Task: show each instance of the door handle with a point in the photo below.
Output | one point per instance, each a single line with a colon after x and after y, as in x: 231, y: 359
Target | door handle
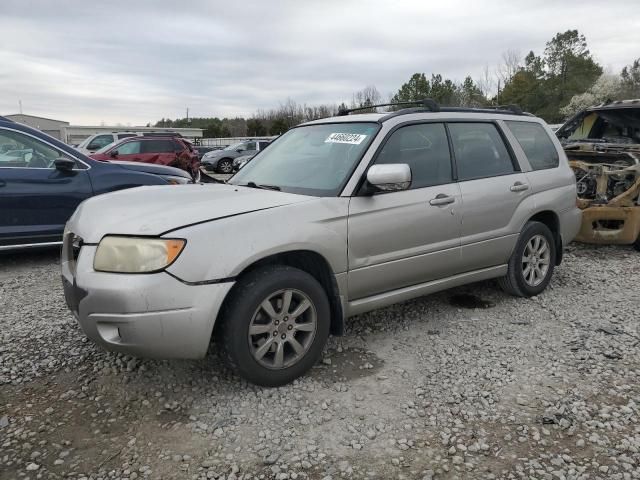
x: 441, y: 199
x: 519, y: 187
x: 2, y: 183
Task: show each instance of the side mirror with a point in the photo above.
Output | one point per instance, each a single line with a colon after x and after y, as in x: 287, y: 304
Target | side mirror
x: 240, y: 150
x: 390, y: 177
x: 114, y: 154
x: 64, y: 164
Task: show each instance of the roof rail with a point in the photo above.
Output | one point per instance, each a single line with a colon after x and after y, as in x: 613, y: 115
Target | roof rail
x: 504, y: 110
x: 511, y: 108
x: 427, y: 103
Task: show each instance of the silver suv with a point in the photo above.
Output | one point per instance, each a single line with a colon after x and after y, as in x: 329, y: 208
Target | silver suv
x: 340, y: 216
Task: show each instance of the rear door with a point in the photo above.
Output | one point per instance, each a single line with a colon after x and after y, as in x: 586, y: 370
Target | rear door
x: 492, y: 187
x: 542, y: 155
x: 36, y: 199
x: 159, y: 151
x: 403, y: 238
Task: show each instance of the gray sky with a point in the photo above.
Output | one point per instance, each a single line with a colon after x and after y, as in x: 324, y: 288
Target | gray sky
x: 137, y: 61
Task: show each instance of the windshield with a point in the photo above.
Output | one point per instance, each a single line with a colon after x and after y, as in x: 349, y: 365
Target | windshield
x: 312, y: 160
x: 235, y: 146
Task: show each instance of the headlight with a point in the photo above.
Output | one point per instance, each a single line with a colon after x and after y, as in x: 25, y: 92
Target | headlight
x: 175, y: 180
x: 136, y: 254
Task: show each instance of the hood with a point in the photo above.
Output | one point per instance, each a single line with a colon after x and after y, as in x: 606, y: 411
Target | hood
x: 219, y: 153
x: 156, y: 210
x: 151, y: 168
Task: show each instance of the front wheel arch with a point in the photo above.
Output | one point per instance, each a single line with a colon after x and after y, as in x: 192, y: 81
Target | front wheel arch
x: 315, y: 265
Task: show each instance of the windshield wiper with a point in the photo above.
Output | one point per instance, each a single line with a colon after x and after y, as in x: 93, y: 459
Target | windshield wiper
x: 264, y: 187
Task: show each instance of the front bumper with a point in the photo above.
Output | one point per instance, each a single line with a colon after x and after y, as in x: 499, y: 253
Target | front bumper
x: 147, y: 315
x: 610, y: 225
x: 209, y: 164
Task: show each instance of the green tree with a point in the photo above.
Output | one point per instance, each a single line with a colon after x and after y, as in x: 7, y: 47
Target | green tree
x: 546, y: 84
x: 443, y: 91
x: 570, y: 70
x: 279, y: 126
x: 470, y: 95
x: 255, y: 128
x: 417, y: 88
x: 630, y: 79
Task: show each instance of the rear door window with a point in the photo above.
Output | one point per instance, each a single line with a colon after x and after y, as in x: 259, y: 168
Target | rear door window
x: 535, y: 143
x: 480, y: 151
x: 158, y: 146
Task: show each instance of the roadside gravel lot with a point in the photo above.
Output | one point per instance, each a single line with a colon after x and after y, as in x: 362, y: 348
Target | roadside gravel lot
x: 545, y: 388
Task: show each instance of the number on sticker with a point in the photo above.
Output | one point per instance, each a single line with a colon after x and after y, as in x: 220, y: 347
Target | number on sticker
x: 350, y: 138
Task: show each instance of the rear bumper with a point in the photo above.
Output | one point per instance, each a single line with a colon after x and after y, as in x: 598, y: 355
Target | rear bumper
x: 610, y: 225
x: 152, y: 315
x: 570, y: 221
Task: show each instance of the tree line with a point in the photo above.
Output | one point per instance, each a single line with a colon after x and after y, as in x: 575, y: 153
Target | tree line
x: 563, y: 79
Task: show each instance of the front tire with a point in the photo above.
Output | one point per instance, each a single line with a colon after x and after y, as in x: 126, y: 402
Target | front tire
x: 274, y: 326
x: 532, y: 262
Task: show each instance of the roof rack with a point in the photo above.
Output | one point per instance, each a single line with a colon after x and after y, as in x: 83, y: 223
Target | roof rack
x: 427, y: 103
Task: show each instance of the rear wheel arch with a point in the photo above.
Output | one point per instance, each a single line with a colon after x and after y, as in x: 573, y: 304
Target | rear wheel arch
x: 551, y: 220
x: 315, y: 265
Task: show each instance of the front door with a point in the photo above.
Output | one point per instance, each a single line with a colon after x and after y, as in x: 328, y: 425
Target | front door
x: 36, y: 199
x: 404, y: 238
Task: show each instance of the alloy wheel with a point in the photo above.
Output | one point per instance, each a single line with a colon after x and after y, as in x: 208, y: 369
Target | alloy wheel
x: 282, y: 329
x: 535, y: 260
x: 226, y: 166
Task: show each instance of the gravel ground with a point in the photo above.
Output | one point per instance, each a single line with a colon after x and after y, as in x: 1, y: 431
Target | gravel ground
x: 468, y: 383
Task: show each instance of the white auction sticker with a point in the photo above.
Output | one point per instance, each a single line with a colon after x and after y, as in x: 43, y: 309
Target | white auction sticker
x: 350, y: 138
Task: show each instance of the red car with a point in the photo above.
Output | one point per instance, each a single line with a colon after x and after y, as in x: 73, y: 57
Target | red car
x: 170, y: 151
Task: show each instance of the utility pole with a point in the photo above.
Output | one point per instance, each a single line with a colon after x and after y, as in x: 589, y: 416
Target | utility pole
x: 187, y: 114
x: 20, y: 105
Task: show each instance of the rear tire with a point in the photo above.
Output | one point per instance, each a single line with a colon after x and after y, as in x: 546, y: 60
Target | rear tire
x: 274, y: 326
x: 636, y: 244
x: 225, y: 166
x: 532, y: 262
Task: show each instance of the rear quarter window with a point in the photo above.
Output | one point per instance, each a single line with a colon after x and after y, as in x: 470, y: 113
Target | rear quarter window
x: 535, y: 143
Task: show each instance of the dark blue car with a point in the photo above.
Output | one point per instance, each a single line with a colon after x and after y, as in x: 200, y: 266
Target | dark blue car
x: 42, y: 181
